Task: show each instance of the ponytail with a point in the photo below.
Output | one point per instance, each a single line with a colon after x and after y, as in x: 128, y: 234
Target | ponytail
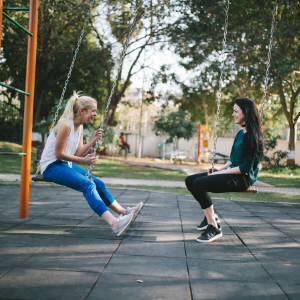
x: 75, y: 103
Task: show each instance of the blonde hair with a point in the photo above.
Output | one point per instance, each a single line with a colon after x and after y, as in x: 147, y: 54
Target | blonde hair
x: 75, y: 103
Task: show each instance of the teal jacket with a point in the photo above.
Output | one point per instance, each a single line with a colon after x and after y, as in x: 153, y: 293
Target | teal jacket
x: 249, y: 167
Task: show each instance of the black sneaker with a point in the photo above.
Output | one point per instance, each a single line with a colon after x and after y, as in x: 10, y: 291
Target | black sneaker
x: 210, y: 234
x: 203, y: 224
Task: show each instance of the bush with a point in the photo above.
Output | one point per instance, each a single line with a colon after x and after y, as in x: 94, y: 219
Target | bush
x: 282, y: 170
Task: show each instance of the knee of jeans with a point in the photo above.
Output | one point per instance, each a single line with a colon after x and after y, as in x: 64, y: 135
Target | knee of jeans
x: 89, y: 186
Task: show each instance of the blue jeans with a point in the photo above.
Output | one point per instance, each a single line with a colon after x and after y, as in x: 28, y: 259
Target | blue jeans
x: 94, y: 192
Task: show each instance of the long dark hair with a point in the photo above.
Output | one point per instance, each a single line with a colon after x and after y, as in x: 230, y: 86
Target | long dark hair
x: 253, y: 139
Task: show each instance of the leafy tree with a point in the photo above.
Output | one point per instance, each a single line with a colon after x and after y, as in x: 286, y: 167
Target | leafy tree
x: 59, y: 27
x: 176, y: 124
x: 198, y: 36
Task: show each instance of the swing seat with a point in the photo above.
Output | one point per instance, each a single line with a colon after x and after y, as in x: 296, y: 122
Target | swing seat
x: 253, y: 191
x: 39, y: 178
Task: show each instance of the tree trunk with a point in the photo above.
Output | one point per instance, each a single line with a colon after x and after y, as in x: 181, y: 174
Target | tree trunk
x: 292, y: 144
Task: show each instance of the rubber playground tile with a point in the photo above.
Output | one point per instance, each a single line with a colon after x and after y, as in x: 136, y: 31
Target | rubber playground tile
x: 168, y: 221
x: 93, y: 233
x: 24, y: 243
x: 160, y: 212
x: 69, y: 215
x: 284, y: 272
x: 22, y: 283
x: 6, y: 226
x: 151, y: 288
x: 229, y: 290
x: 257, y: 231
x: 268, y: 242
x: 147, y: 266
x: 25, y: 228
x: 222, y: 249
x: 70, y: 261
x: 11, y: 260
x: 276, y: 254
x: 53, y: 222
x: 157, y: 226
x: 239, y: 271
x: 154, y: 236
x: 246, y: 222
x: 93, y: 222
x: 290, y: 230
x: 291, y: 290
x: 153, y: 249
x: 74, y: 244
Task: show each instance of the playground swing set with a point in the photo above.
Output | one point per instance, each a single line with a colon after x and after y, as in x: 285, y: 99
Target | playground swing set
x: 29, y: 92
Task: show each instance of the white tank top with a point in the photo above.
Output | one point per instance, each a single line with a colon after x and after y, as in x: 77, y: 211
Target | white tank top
x: 48, y: 155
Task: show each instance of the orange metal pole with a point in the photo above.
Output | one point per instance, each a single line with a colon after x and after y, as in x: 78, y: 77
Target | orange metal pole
x: 199, y: 141
x: 28, y: 109
x: 1, y: 15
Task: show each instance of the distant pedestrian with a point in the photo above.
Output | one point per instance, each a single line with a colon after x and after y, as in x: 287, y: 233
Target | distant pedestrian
x: 124, y: 145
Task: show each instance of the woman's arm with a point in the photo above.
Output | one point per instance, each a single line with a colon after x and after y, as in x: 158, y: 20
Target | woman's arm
x: 83, y: 149
x: 235, y: 170
x: 220, y: 169
x: 63, y: 130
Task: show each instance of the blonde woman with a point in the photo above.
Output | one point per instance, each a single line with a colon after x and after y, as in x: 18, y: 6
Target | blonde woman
x: 65, y: 147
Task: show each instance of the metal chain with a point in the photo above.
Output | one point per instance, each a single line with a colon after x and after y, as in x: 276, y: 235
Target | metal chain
x: 220, y: 83
x: 70, y: 71
x: 268, y: 67
x: 91, y: 167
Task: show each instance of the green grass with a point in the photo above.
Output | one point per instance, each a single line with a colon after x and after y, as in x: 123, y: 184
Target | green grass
x: 115, y: 169
x: 284, y: 181
x: 103, y: 167
x: 11, y: 164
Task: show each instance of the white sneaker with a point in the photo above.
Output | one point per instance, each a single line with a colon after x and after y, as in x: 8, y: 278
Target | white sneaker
x: 123, y: 222
x: 136, y: 208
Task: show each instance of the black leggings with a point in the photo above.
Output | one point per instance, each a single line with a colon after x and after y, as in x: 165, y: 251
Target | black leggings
x: 200, y: 184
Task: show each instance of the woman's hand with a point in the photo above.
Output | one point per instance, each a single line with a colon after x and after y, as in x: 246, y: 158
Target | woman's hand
x: 209, y: 172
x: 90, y: 159
x: 97, y: 135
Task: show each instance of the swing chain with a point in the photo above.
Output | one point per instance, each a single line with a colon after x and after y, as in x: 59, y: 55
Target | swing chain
x: 69, y: 74
x: 268, y: 66
x: 91, y: 167
x: 221, y: 83
x: 72, y: 64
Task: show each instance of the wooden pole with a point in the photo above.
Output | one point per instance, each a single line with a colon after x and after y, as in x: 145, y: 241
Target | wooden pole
x: 28, y: 109
x: 1, y: 15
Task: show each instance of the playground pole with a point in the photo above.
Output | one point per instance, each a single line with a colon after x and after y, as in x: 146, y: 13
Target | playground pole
x: 1, y: 15
x: 28, y: 109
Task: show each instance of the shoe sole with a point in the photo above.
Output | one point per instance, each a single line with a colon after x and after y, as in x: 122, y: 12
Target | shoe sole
x: 211, y: 240
x: 136, y: 213
x: 124, y: 227
x: 204, y: 227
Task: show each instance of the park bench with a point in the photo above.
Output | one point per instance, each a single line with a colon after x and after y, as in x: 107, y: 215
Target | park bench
x: 220, y: 156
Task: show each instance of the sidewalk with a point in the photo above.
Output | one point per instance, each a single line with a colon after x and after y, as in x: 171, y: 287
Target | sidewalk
x: 260, y: 186
x: 65, y: 251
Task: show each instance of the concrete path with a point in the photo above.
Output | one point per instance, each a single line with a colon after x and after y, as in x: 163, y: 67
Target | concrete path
x: 65, y: 251
x: 260, y: 186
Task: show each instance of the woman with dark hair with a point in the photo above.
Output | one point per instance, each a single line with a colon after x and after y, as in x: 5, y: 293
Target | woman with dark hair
x: 236, y: 175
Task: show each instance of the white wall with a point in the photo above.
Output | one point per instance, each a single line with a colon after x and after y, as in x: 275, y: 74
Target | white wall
x: 224, y: 145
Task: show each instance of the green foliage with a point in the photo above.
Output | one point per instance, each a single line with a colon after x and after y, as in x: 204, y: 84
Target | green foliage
x: 270, y: 143
x: 289, y: 170
x: 59, y: 27
x: 177, y: 124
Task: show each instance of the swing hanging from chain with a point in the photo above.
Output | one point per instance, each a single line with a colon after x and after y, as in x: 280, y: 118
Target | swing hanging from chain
x: 40, y: 177
x: 250, y: 190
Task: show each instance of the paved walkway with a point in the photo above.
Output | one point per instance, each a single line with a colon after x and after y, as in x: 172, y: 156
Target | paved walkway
x: 65, y: 251
x: 260, y: 186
